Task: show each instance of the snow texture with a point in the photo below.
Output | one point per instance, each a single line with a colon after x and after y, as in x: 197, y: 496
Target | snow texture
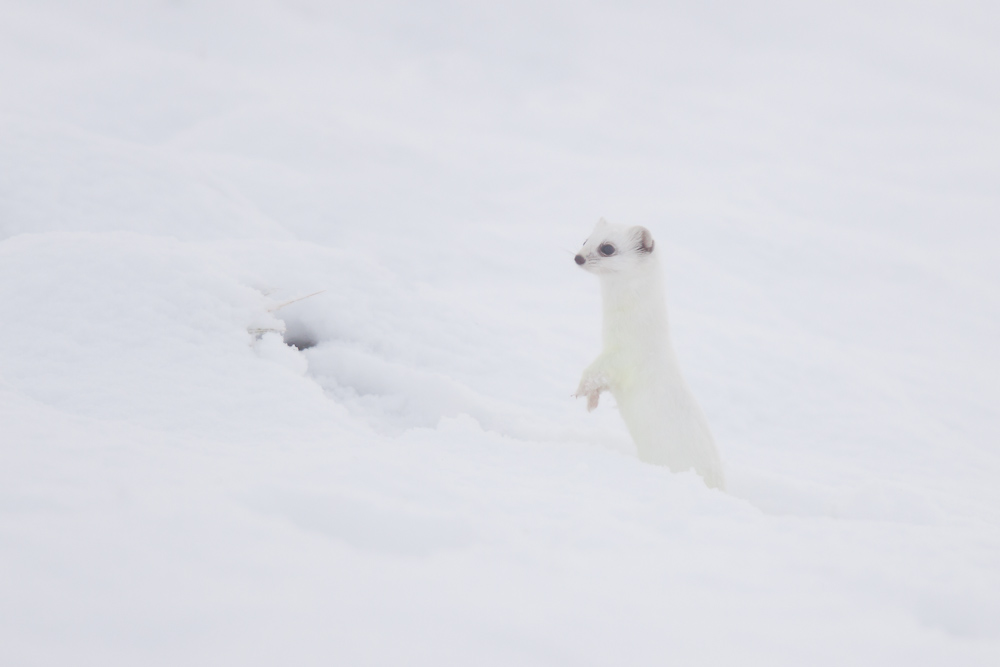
x: 392, y: 472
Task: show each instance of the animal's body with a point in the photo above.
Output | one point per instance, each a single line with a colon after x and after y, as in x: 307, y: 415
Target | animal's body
x: 638, y: 365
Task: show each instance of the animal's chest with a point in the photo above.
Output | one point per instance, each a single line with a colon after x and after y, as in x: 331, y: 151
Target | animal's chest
x: 630, y: 371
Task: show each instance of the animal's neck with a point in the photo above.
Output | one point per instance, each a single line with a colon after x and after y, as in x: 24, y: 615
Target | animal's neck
x: 635, y: 311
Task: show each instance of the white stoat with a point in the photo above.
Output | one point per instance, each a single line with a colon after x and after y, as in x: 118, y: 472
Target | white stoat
x: 638, y: 365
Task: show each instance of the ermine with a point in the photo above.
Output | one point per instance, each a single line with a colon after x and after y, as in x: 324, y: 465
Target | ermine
x: 638, y: 365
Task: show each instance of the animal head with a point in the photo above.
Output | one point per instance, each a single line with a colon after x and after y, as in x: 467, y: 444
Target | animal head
x: 614, y: 249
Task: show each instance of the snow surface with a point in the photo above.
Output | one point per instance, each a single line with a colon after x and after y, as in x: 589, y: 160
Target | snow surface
x: 411, y: 483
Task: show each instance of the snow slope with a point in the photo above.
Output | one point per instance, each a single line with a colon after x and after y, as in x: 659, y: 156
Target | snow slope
x: 392, y: 471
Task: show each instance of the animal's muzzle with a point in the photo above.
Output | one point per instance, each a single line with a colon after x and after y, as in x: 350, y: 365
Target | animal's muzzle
x: 580, y: 260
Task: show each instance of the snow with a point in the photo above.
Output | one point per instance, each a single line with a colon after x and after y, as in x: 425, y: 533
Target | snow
x: 392, y: 471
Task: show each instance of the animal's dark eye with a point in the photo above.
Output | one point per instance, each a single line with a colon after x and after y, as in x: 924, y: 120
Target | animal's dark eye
x: 607, y: 250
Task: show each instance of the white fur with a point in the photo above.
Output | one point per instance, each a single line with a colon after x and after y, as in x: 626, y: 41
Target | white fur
x: 638, y: 365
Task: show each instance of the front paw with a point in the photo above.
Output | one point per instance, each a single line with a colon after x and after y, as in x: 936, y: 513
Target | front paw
x: 591, y: 387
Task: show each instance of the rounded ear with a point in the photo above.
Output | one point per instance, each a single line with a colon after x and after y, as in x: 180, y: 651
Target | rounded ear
x: 644, y: 238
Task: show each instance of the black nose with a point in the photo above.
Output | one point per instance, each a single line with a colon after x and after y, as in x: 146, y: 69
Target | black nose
x: 580, y: 259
